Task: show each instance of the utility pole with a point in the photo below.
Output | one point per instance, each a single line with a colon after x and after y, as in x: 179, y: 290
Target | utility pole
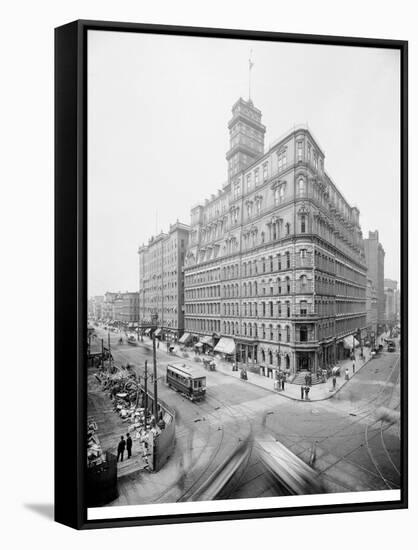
x: 154, y: 356
x: 108, y: 343
x: 146, y: 395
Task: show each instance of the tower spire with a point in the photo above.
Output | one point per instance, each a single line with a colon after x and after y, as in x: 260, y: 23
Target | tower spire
x: 250, y: 66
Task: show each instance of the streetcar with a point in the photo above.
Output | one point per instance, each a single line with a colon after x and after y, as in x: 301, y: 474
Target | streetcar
x: 186, y: 380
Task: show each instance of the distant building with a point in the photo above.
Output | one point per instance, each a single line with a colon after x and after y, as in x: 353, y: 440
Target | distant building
x: 95, y: 307
x: 126, y: 306
x: 109, y: 306
x: 391, y: 300
x: 275, y: 268
x: 371, y: 308
x: 161, y: 284
x: 375, y: 260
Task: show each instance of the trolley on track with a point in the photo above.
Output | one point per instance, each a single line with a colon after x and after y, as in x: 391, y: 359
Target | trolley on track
x: 186, y: 380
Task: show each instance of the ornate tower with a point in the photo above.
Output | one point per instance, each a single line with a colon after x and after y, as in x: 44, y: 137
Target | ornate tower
x: 246, y: 136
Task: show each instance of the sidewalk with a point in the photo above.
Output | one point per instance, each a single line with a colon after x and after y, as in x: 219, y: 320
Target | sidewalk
x: 318, y: 392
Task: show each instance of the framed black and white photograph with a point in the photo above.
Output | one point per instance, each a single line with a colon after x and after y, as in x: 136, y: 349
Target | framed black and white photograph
x: 231, y: 283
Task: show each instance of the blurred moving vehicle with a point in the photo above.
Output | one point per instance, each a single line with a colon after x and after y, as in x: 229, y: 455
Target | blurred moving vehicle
x: 289, y: 470
x: 391, y: 345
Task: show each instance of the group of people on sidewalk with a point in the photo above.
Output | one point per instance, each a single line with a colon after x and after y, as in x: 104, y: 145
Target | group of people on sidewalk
x: 124, y: 444
x: 304, y: 392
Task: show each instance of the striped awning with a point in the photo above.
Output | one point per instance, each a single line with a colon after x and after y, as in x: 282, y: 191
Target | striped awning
x: 157, y: 332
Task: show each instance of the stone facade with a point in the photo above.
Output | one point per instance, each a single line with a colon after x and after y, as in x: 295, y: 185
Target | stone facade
x: 391, y: 300
x: 371, y: 308
x: 125, y: 307
x: 161, y: 284
x: 375, y: 260
x: 276, y: 259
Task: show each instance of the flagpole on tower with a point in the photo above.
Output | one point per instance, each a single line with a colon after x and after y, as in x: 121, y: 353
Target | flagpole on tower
x: 250, y: 66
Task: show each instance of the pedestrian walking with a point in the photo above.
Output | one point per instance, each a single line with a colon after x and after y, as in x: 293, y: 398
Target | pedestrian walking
x: 347, y: 375
x: 129, y: 445
x: 354, y: 367
x: 121, y: 449
x: 307, y: 389
x: 283, y: 383
x: 334, y: 382
x: 302, y: 392
x: 306, y: 378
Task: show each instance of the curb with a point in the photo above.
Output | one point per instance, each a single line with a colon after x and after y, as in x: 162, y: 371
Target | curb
x: 282, y: 394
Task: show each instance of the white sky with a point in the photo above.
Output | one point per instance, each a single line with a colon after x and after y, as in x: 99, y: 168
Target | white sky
x: 157, y: 127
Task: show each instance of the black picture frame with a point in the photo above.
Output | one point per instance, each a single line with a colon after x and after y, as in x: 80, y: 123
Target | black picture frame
x: 71, y: 269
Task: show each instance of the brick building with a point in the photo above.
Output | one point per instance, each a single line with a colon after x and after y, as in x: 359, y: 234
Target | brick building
x: 375, y: 261
x: 275, y: 265
x: 161, y: 286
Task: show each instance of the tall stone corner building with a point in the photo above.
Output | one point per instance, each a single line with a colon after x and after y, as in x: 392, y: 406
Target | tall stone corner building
x: 275, y: 261
x: 161, y: 284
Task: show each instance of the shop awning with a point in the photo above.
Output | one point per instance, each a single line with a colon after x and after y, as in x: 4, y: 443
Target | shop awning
x: 207, y: 340
x: 147, y: 331
x: 198, y: 345
x: 225, y: 345
x: 348, y: 342
x: 185, y: 338
x: 157, y: 332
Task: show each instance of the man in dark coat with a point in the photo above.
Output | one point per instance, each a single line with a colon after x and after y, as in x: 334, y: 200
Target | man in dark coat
x: 302, y: 391
x: 121, y: 448
x: 129, y: 445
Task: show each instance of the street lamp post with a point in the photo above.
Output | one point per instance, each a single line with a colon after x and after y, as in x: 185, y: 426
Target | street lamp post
x: 154, y: 320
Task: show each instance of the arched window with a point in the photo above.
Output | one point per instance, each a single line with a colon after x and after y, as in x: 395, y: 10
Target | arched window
x: 270, y: 357
x: 279, y: 333
x: 279, y: 309
x: 303, y: 333
x: 303, y: 223
x: 249, y: 289
x: 245, y: 329
x: 287, y: 334
x: 301, y: 186
x: 263, y: 356
x: 255, y: 330
x: 263, y: 331
x: 287, y: 260
x: 271, y: 331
